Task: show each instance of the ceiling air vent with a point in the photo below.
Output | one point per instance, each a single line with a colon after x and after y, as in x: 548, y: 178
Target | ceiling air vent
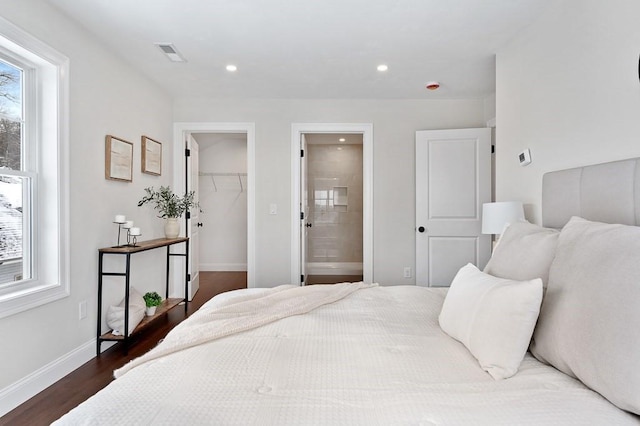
x: 171, y: 52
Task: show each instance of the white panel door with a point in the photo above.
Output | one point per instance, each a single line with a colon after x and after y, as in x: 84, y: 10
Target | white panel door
x: 194, y: 222
x: 453, y: 180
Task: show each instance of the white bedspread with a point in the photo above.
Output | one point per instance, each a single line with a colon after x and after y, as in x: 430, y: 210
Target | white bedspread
x: 245, y: 312
x: 376, y: 357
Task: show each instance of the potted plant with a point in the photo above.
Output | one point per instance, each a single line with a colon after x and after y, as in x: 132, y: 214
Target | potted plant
x: 169, y: 206
x: 152, y: 300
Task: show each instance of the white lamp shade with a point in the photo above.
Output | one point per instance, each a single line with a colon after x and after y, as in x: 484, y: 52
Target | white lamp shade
x: 495, y: 216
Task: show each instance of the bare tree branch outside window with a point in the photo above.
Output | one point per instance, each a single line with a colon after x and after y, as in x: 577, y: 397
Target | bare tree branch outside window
x: 10, y: 117
x: 11, y: 187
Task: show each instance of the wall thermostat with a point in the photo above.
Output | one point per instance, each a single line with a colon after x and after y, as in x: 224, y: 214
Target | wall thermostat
x: 525, y: 157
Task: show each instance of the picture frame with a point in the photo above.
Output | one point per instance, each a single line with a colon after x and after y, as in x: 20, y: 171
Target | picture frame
x: 151, y: 156
x: 118, y: 159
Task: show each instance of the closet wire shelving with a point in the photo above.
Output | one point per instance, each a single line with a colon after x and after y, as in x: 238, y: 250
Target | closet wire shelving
x: 214, y: 175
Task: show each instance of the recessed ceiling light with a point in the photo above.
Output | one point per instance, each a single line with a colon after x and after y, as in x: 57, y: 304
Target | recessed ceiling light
x: 342, y: 140
x: 232, y: 68
x: 382, y: 67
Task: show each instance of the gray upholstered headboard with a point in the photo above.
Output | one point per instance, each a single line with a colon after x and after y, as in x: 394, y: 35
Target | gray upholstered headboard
x: 608, y: 192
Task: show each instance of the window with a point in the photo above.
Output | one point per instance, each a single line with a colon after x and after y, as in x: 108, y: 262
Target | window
x: 15, y: 181
x: 33, y: 182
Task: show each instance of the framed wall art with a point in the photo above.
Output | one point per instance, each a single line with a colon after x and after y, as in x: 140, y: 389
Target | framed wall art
x: 118, y: 159
x: 151, y: 156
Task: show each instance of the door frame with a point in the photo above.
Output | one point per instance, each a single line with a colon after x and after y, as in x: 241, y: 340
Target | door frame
x: 366, y: 130
x: 179, y: 131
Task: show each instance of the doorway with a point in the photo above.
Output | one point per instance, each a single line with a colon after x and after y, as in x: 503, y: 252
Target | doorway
x: 222, y: 184
x: 182, y: 132
x: 333, y: 228
x: 304, y: 215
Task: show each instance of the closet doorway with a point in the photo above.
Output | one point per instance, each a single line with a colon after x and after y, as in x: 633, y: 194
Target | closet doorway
x: 182, y: 133
x: 222, y: 183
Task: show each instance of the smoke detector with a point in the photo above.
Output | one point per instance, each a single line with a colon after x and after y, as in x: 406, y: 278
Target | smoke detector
x: 171, y: 52
x: 432, y: 85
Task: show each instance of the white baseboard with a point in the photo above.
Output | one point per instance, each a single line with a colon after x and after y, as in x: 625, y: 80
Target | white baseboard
x: 29, y: 386
x: 217, y: 267
x: 334, y: 268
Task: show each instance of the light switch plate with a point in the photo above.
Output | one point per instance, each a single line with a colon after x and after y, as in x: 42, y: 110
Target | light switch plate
x: 406, y: 273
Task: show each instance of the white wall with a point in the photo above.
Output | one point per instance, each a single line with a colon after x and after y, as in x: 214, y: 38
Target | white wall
x: 567, y: 89
x: 394, y: 125
x: 106, y: 97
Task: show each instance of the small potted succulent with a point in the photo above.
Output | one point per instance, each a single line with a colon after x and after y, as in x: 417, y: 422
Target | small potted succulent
x: 152, y: 300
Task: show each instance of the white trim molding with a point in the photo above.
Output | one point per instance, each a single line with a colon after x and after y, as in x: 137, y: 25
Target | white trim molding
x: 334, y: 268
x: 222, y: 267
x: 366, y: 130
x: 48, y: 103
x: 29, y: 386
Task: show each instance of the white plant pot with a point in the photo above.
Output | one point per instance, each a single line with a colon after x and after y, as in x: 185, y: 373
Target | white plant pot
x: 172, y: 227
x: 151, y: 310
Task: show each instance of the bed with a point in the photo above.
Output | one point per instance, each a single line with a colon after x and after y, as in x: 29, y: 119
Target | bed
x: 547, y: 333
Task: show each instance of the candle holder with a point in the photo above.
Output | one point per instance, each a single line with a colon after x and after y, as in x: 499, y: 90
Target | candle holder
x: 119, y: 229
x: 132, y: 239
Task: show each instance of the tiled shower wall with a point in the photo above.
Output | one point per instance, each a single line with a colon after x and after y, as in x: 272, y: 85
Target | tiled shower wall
x: 334, y: 183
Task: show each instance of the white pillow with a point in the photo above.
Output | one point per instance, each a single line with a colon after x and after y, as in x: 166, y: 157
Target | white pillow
x: 589, y: 325
x: 493, y: 317
x: 524, y: 252
x: 115, y: 314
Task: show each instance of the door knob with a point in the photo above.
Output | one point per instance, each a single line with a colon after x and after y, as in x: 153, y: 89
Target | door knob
x: 421, y: 229
x: 308, y: 225
x: 199, y: 224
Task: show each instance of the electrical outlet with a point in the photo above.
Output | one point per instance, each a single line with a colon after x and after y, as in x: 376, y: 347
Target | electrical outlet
x: 407, y: 272
x: 82, y: 310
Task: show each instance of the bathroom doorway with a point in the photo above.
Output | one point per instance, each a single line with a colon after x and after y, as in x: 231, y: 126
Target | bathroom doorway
x: 334, y: 208
x: 300, y: 132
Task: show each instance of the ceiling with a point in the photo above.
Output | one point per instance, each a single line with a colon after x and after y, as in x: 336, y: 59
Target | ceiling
x: 310, y: 49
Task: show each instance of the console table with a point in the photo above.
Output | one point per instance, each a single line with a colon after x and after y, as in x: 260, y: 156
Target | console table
x: 167, y: 304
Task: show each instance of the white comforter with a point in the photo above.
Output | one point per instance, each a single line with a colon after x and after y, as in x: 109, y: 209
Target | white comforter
x: 376, y: 357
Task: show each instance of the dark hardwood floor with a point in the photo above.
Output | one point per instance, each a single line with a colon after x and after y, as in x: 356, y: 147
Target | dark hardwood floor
x: 332, y: 279
x: 71, y: 390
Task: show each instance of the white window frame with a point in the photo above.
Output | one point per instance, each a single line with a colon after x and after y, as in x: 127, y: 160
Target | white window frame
x: 47, y: 151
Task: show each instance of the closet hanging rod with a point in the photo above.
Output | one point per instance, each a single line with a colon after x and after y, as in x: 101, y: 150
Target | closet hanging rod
x: 220, y: 174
